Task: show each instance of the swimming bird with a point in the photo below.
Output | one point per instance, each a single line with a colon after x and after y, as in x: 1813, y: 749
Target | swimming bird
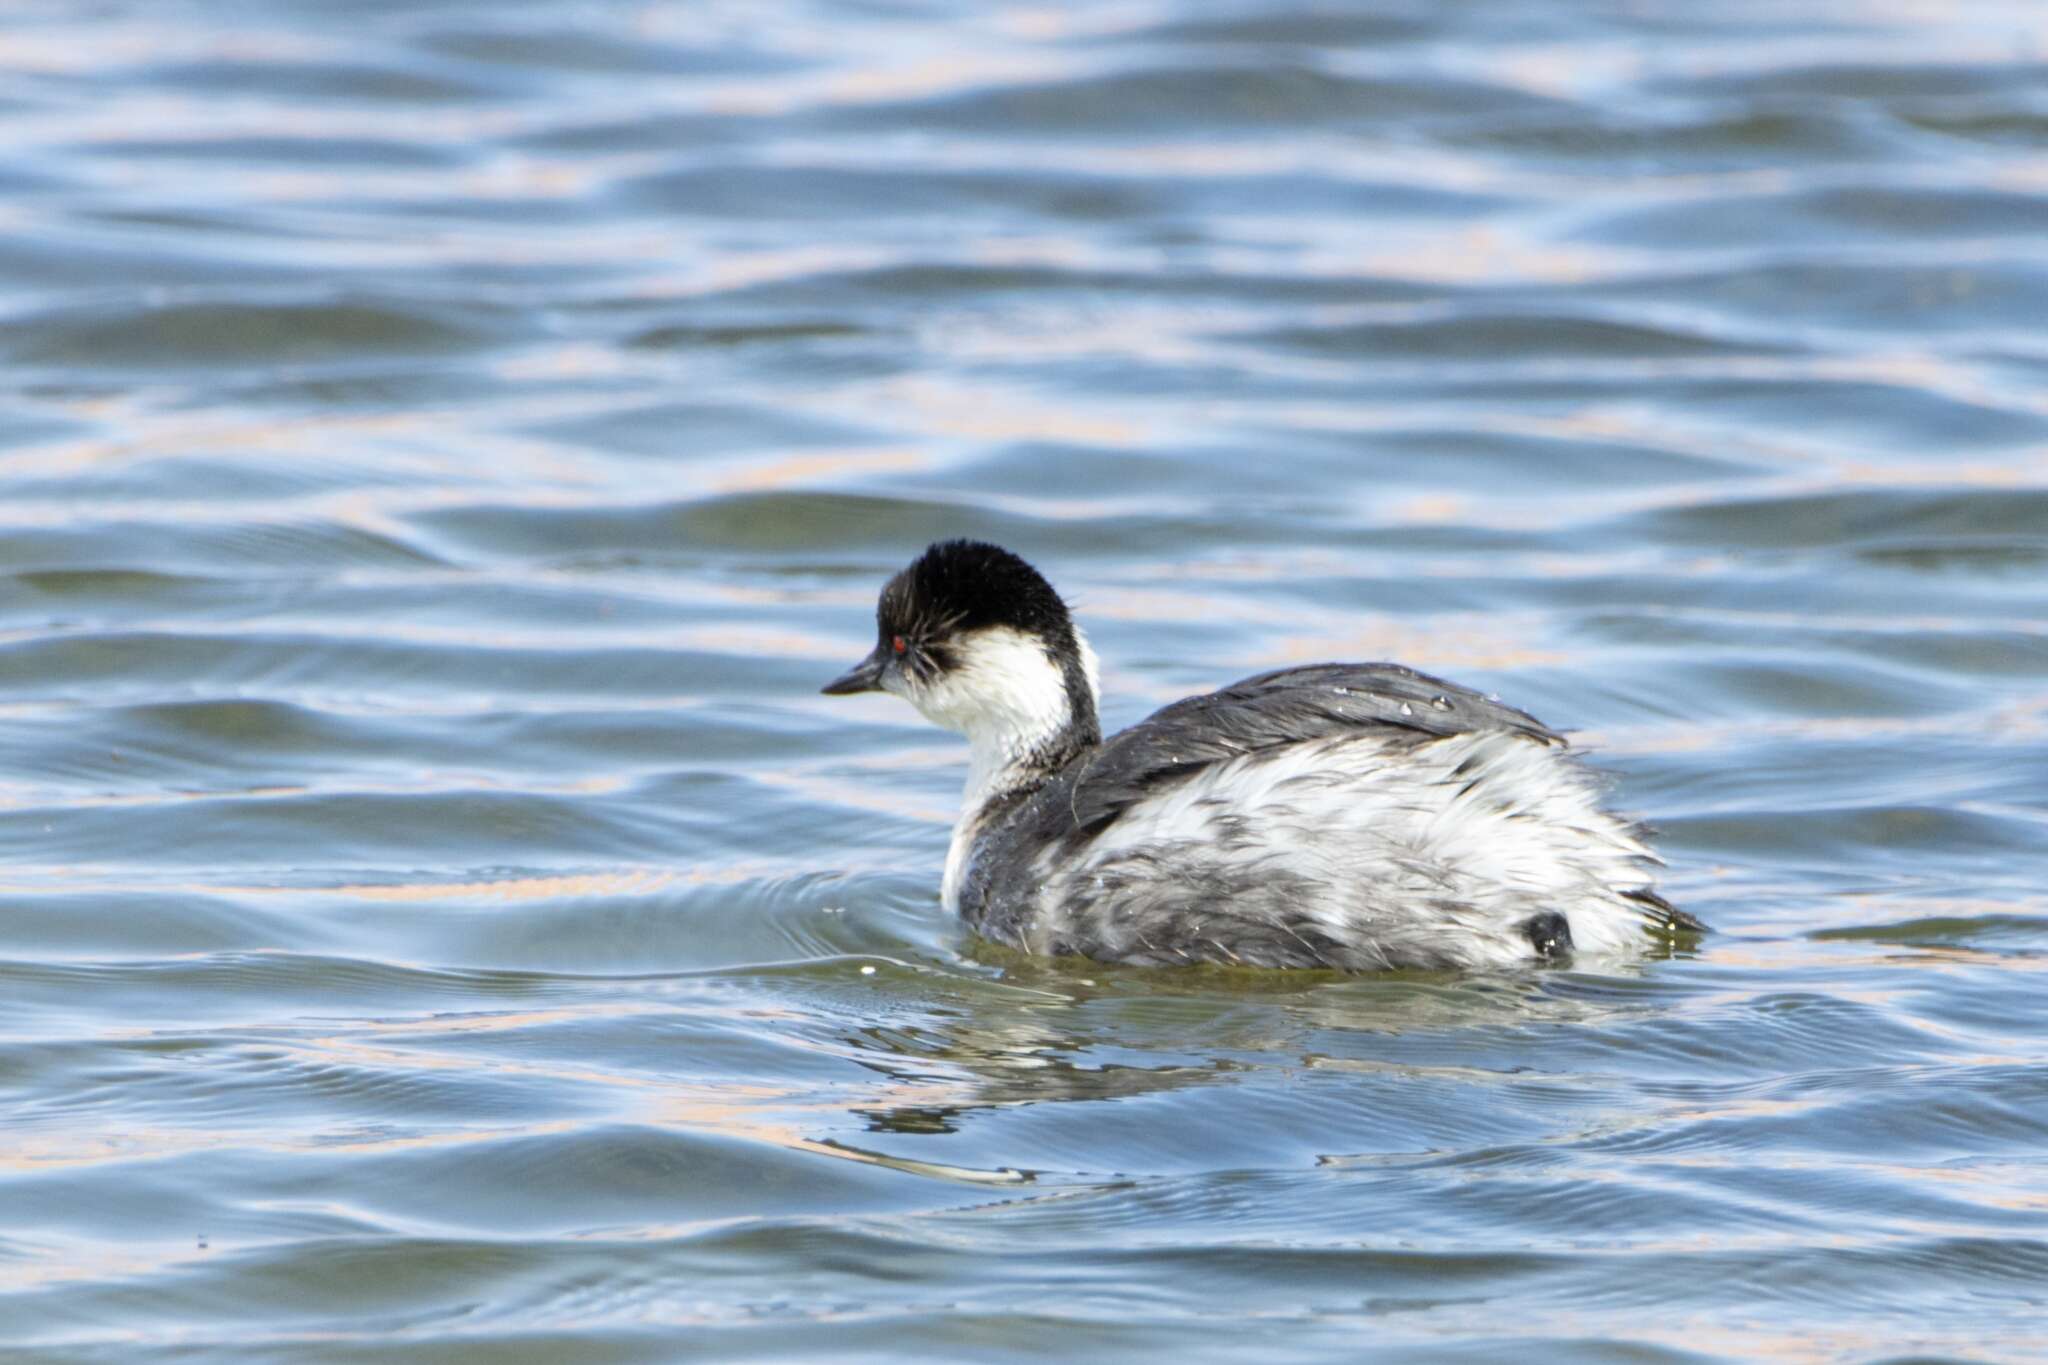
x: 1357, y: 816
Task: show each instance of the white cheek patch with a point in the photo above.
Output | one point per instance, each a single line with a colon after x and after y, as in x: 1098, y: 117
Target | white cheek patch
x: 1002, y: 685
x: 1005, y: 693
x: 1008, y: 696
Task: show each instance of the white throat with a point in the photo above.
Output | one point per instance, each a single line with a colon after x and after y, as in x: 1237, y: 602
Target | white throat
x: 1005, y: 693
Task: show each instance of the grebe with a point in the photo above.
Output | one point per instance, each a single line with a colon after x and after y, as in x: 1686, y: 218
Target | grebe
x: 1350, y: 816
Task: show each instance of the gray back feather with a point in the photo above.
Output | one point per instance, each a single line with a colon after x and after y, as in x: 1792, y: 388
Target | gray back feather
x: 1288, y: 706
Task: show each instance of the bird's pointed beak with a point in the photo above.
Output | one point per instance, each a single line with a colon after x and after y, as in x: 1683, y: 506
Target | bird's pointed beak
x: 865, y: 676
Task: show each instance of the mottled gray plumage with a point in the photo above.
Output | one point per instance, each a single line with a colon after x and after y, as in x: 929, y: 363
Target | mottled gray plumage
x: 1286, y: 706
x: 1356, y: 816
x: 1238, y: 891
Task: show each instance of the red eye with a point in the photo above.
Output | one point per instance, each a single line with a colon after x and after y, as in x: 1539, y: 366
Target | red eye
x: 898, y: 645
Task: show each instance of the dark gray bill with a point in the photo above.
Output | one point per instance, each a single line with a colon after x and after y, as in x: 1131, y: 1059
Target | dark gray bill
x: 865, y: 676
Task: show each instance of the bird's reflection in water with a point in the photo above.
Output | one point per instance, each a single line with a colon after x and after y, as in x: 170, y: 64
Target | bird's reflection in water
x: 1036, y: 1031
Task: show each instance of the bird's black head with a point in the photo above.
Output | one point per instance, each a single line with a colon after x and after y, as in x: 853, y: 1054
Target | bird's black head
x: 958, y: 587
x: 963, y: 604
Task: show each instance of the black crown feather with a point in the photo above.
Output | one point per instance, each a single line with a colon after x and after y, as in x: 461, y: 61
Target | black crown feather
x: 962, y: 585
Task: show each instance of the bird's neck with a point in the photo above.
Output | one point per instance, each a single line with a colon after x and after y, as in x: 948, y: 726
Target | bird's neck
x: 1026, y: 715
x: 1003, y: 770
x: 1003, y: 763
x: 1026, y: 709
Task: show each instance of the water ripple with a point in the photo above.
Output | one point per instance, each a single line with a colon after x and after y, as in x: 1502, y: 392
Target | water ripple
x: 448, y: 449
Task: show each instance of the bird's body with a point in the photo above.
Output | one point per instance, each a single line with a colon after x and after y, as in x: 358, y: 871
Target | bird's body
x: 1352, y: 816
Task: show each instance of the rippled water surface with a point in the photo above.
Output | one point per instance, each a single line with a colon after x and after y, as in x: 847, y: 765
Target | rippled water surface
x: 447, y: 445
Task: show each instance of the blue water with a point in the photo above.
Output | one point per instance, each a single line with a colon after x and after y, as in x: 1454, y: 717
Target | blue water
x: 447, y: 445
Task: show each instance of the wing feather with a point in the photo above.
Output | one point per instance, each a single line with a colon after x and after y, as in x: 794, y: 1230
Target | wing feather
x: 1288, y: 706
